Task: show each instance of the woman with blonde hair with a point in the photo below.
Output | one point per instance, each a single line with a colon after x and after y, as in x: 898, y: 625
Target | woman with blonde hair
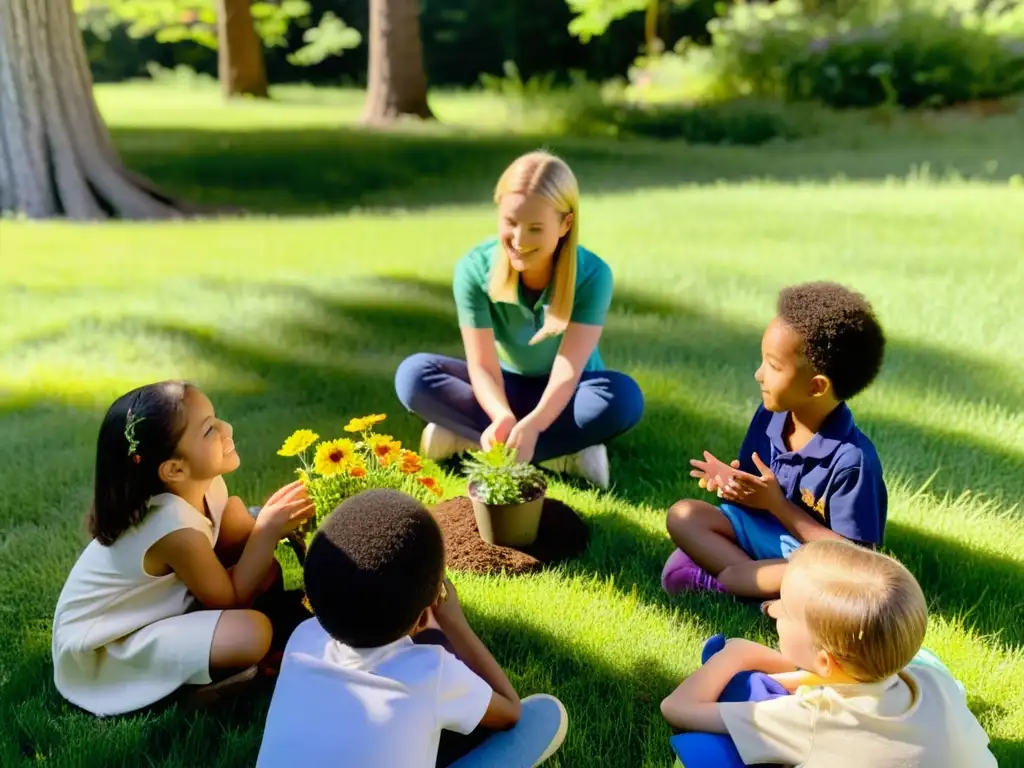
x: 531, y: 305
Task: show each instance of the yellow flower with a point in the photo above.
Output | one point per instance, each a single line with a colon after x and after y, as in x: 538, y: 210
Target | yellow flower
x: 365, y: 423
x: 334, y: 456
x: 385, y: 448
x: 411, y: 463
x: 299, y: 441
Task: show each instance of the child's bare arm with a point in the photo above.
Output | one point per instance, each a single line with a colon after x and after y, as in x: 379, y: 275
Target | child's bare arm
x: 504, y: 709
x: 693, y: 705
x: 188, y: 553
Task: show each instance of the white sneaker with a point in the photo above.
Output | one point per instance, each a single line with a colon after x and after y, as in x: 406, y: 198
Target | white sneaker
x: 438, y: 443
x: 591, y: 464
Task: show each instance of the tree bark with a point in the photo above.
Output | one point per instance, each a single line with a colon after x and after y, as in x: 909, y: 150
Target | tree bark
x: 397, y: 79
x: 56, y: 156
x: 241, y: 68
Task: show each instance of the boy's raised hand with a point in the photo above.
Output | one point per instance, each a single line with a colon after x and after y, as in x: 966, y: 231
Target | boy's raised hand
x: 712, y: 472
x: 447, y: 607
x: 759, y: 492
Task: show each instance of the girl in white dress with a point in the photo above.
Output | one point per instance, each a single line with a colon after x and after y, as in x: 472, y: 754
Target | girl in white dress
x: 161, y: 596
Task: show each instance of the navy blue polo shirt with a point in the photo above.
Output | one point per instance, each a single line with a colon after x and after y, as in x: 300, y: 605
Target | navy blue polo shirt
x: 836, y: 477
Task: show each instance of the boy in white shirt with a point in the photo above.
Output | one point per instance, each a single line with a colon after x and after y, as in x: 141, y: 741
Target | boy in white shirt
x: 850, y: 622
x: 357, y: 690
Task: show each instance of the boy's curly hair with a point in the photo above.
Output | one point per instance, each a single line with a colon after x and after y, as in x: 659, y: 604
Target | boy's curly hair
x: 842, y: 337
x: 372, y: 567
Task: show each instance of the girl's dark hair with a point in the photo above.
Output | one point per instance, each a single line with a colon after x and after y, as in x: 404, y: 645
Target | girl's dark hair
x: 129, y: 455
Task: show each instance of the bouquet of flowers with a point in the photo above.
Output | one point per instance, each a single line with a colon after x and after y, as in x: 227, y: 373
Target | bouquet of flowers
x: 343, y: 467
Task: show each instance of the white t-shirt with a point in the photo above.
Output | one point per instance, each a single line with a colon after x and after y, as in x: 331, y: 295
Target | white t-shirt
x: 918, y: 718
x: 367, y: 708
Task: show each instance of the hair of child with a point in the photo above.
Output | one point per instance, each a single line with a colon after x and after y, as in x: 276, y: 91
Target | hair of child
x: 375, y: 563
x: 140, y: 431
x: 842, y: 337
x: 866, y: 609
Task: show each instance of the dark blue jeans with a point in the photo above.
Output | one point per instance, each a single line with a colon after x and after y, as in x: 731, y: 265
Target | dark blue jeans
x: 437, y: 389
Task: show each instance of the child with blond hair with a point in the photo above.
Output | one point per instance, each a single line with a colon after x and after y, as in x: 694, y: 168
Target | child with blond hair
x: 851, y: 622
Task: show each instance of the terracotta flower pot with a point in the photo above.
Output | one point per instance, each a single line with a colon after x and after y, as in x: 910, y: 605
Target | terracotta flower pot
x: 508, y: 525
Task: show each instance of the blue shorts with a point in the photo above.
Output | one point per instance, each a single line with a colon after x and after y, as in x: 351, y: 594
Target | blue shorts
x: 759, y: 534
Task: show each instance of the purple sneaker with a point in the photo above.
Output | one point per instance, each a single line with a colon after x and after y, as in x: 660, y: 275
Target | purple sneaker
x: 681, y: 574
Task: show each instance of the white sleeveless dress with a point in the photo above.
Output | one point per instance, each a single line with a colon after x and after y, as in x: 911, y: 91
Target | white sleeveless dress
x: 123, y: 639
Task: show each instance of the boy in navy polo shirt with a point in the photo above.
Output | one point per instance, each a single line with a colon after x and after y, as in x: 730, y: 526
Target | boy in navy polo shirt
x: 805, y: 471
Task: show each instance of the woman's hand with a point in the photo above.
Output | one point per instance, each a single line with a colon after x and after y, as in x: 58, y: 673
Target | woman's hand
x: 287, y: 509
x: 498, y: 431
x: 523, y: 439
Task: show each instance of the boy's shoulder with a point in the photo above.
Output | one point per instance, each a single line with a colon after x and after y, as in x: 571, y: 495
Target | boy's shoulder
x: 855, y: 448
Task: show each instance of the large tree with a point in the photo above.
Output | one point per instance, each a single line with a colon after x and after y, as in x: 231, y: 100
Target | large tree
x: 56, y: 156
x: 240, y: 64
x: 225, y: 25
x: 397, y: 78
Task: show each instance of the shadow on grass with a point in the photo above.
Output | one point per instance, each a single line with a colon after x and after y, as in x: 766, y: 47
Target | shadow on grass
x: 1009, y: 753
x: 39, y: 726
x: 319, y: 171
x: 626, y: 730
x: 985, y: 590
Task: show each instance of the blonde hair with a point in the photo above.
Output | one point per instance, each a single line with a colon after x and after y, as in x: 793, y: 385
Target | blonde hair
x: 865, y: 608
x: 545, y: 175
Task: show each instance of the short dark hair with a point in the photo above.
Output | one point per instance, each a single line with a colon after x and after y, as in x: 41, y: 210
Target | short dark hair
x: 128, y: 475
x: 372, y: 567
x: 842, y: 338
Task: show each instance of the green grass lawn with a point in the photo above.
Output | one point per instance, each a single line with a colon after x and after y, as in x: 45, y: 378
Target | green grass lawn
x: 300, y: 320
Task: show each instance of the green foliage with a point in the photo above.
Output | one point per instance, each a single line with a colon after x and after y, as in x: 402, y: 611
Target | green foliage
x: 539, y: 104
x: 585, y: 110
x: 738, y: 122
x: 461, y: 40
x: 497, y: 477
x: 176, y: 21
x: 900, y: 52
x: 331, y: 37
x: 593, y: 17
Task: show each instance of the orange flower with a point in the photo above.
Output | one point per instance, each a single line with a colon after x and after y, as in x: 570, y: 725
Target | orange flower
x: 357, y: 472
x: 430, y: 484
x: 411, y: 463
x: 385, y: 448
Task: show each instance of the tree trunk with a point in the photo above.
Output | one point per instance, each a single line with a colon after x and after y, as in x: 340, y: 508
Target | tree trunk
x: 397, y: 79
x: 56, y: 156
x: 240, y: 64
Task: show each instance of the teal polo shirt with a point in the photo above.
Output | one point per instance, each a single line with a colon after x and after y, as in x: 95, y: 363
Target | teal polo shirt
x: 515, y: 324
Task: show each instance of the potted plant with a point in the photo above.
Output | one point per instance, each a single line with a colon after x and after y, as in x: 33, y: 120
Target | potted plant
x: 507, y: 496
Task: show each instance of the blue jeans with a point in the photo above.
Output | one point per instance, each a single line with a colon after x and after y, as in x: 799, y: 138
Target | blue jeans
x: 538, y: 734
x: 437, y: 389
